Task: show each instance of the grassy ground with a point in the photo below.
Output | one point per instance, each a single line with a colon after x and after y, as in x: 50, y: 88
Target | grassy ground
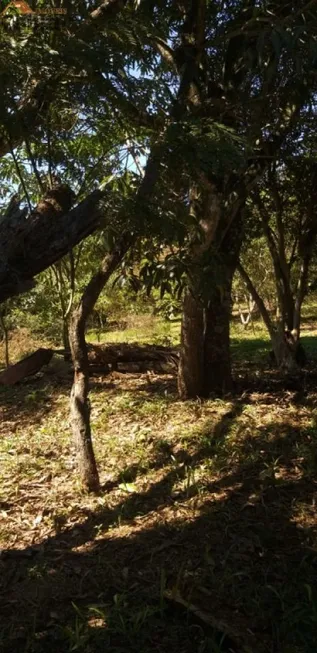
x: 142, y: 329
x: 204, y: 538
x: 251, y: 345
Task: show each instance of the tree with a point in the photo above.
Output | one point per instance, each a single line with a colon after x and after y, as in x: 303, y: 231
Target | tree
x: 80, y: 408
x: 259, y: 85
x: 285, y: 206
x: 101, y: 103
x: 54, y: 79
x: 210, y: 93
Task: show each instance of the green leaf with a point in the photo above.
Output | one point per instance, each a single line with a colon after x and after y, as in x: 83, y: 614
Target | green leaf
x: 128, y: 487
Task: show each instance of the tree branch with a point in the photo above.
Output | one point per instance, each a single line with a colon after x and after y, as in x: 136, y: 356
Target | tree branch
x: 30, y: 246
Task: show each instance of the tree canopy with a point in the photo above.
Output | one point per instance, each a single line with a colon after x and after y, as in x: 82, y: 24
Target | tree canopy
x: 215, y: 87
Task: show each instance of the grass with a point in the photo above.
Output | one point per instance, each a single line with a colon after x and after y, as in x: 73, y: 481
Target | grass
x: 251, y: 344
x: 142, y: 329
x: 204, y: 537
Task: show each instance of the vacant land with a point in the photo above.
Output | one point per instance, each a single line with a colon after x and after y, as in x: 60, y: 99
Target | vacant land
x: 204, y: 537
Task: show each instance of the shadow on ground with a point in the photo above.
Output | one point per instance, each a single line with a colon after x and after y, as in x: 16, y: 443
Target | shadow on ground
x: 231, y: 543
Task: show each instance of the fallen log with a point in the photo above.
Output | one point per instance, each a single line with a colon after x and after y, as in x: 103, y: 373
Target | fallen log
x: 132, y: 358
x: 122, y: 357
x: 26, y: 367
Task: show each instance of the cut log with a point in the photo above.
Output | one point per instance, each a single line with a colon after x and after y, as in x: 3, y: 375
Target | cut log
x: 26, y: 367
x: 133, y: 358
x: 121, y: 357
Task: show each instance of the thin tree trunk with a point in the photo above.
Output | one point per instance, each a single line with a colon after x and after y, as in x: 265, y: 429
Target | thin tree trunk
x: 67, y: 310
x: 281, y: 269
x: 62, y: 290
x: 300, y: 294
x: 6, y: 339
x: 79, y: 403
x: 80, y: 409
x: 285, y: 352
x: 284, y: 349
x: 65, y: 337
x: 256, y: 297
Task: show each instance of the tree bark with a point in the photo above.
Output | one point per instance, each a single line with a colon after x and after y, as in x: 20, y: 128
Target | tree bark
x: 217, y: 357
x: 5, y: 331
x: 205, y: 361
x: 80, y: 408
x: 33, y: 244
x: 65, y: 276
x: 285, y: 352
x: 79, y: 402
x: 285, y: 333
x: 190, y: 370
x: 26, y: 367
x: 302, y: 288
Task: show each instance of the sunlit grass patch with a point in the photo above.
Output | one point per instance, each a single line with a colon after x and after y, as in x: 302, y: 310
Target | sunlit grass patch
x: 142, y: 329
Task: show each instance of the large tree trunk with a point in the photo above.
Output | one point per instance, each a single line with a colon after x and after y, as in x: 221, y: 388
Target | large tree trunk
x: 205, y: 363
x: 217, y: 358
x: 207, y: 206
x: 191, y: 364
